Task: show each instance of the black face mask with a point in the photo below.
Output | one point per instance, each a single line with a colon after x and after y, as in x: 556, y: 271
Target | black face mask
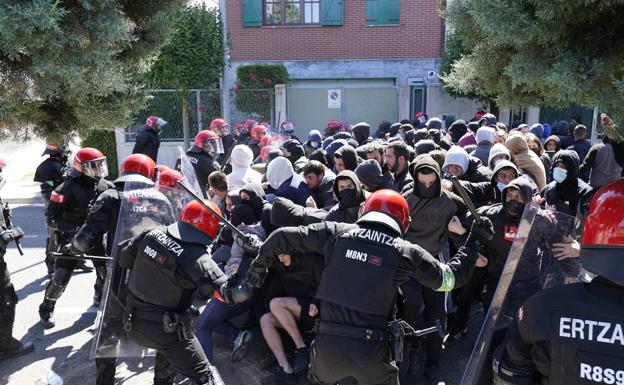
x: 426, y: 192
x: 348, y: 197
x: 514, y: 208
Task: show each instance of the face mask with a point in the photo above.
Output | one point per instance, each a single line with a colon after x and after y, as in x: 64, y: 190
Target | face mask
x: 314, y: 144
x: 559, y: 174
x: 501, y: 186
x: 348, y: 197
x: 536, y: 151
x: 426, y: 192
x: 515, y: 208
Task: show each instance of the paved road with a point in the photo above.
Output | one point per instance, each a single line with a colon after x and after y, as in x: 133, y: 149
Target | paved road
x: 65, y: 348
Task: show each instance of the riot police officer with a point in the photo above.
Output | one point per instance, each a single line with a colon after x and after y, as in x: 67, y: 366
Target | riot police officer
x: 220, y: 126
x: 365, y: 263
x: 9, y: 346
x: 573, y: 334
x: 168, y: 266
x: 51, y: 173
x: 148, y: 139
x: 206, y: 146
x: 67, y: 210
x: 136, y: 184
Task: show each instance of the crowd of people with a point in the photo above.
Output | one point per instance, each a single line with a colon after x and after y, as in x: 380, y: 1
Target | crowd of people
x: 337, y: 235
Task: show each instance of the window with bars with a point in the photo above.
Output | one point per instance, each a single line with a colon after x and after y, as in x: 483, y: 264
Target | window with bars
x: 292, y: 12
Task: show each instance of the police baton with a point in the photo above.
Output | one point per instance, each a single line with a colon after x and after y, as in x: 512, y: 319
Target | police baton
x: 80, y: 257
x: 462, y: 193
x: 204, y: 205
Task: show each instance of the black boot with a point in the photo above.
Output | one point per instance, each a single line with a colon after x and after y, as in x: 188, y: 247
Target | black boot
x: 9, y: 346
x: 46, y: 309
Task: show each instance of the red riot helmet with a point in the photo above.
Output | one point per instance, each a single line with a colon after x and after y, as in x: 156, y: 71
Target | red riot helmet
x: 209, y: 141
x: 168, y: 178
x: 247, y: 126
x: 139, y: 164
x: 388, y: 208
x: 258, y: 132
x: 162, y: 167
x: 91, y: 162
x: 201, y: 218
x: 602, y: 243
x: 220, y: 126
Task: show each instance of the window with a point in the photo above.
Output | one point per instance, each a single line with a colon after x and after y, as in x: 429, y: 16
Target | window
x: 292, y: 12
x: 382, y: 12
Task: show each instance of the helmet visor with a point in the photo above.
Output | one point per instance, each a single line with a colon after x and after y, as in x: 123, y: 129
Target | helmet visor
x: 214, y: 146
x: 95, y: 168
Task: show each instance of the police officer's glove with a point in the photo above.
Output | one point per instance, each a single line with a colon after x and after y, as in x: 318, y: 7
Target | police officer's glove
x: 255, y: 275
x: 13, y: 234
x: 480, y: 233
x: 235, y: 290
x: 70, y: 249
x: 250, y: 244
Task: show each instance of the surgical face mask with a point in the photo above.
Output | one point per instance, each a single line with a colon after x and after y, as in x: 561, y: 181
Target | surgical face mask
x: 559, y: 174
x: 426, y: 192
x: 515, y: 208
x: 500, y: 186
x: 348, y: 197
x: 314, y: 144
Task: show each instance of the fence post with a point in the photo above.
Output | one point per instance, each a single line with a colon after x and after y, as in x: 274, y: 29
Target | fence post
x: 199, y: 113
x: 280, y: 104
x: 532, y: 115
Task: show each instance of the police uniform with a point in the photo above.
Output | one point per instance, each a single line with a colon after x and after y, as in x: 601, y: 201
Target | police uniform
x: 571, y: 334
x: 67, y: 210
x: 9, y: 346
x: 204, y: 164
x: 147, y: 142
x: 50, y: 173
x: 103, y: 219
x: 168, y: 266
x: 352, y: 335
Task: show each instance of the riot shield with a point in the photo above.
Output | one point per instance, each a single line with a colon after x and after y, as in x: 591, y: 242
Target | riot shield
x: 531, y: 266
x: 187, y: 169
x: 177, y: 198
x: 142, y: 207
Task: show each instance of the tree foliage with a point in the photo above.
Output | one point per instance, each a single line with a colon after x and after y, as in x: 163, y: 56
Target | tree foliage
x: 193, y: 57
x: 253, y: 77
x: 77, y: 64
x: 529, y: 52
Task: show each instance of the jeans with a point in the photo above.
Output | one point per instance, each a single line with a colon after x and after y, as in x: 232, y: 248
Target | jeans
x: 214, y: 318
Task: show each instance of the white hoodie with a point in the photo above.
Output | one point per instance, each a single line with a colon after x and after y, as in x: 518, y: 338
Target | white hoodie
x: 242, y: 173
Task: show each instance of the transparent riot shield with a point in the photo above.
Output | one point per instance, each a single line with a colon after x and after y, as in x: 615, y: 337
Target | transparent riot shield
x: 531, y: 266
x: 187, y: 169
x: 142, y: 207
x: 177, y: 198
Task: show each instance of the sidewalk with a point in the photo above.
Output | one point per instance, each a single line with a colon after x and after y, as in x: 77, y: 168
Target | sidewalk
x: 21, y: 160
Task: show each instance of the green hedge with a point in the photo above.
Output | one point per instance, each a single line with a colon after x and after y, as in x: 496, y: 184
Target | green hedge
x: 104, y: 140
x: 252, y: 79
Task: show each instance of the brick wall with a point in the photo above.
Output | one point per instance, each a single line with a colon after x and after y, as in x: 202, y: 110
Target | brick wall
x: 419, y: 35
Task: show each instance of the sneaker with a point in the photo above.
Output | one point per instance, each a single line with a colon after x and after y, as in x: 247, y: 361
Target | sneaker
x: 240, y: 346
x: 455, y: 335
x: 279, y: 377
x: 301, y: 360
x: 13, y: 348
x: 433, y: 376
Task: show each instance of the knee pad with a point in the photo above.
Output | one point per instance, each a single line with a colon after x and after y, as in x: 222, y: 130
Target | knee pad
x: 54, y: 291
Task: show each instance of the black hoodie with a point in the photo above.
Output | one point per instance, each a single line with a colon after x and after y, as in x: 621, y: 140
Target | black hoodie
x: 349, y: 157
x: 286, y: 213
x: 259, y: 204
x: 346, y: 212
x: 430, y: 216
x: 566, y: 196
x: 361, y: 133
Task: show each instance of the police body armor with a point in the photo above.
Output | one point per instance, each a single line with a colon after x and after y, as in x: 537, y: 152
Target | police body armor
x: 50, y: 174
x: 159, y: 276
x: 370, y: 266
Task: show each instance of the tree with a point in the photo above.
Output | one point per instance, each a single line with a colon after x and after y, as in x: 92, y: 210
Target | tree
x: 76, y: 65
x: 193, y: 58
x: 528, y: 52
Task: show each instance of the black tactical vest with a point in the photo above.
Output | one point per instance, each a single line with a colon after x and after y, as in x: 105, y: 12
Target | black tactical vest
x: 157, y: 276
x: 359, y: 275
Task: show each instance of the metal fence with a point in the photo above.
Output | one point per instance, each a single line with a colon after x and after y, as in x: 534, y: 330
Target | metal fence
x: 204, y: 105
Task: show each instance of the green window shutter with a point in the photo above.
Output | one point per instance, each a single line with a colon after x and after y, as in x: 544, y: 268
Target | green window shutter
x: 333, y: 12
x: 392, y: 10
x: 382, y: 12
x: 374, y: 10
x: 252, y: 13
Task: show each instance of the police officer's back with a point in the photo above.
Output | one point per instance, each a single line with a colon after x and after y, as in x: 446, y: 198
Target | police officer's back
x: 51, y: 172
x: 574, y: 334
x: 168, y: 266
x: 148, y: 141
